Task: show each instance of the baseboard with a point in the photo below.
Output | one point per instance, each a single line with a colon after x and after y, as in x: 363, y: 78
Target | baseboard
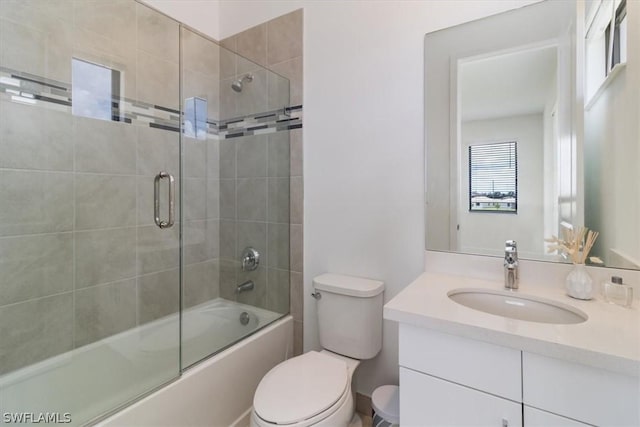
x: 363, y: 405
x: 243, y: 420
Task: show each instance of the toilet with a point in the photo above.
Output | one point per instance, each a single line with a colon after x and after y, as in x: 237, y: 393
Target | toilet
x: 314, y: 389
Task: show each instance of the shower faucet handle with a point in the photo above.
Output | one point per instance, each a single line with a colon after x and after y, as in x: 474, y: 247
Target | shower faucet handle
x: 250, y: 259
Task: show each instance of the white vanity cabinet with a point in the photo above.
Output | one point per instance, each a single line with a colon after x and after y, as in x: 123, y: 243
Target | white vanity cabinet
x: 448, y: 380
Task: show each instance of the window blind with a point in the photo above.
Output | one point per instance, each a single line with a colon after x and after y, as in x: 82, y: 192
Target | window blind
x: 493, y: 177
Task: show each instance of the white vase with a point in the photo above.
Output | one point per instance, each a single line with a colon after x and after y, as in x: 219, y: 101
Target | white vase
x: 579, y: 284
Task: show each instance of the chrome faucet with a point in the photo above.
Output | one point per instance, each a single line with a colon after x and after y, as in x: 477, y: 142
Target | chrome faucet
x: 511, y: 266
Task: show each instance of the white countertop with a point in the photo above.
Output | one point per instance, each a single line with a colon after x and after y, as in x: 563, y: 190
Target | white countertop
x: 609, y: 339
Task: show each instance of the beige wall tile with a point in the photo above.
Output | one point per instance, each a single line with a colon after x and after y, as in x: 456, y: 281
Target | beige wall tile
x: 213, y: 199
x: 278, y: 200
x: 22, y: 48
x: 284, y: 35
x: 157, y: 81
x: 228, y: 241
x: 278, y: 291
x: 158, y: 250
x: 201, y: 283
x: 228, y: 278
x: 278, y: 246
x: 279, y: 157
x: 297, y: 200
x: 278, y: 91
x: 35, y: 330
x: 296, y: 152
x: 105, y: 201
x: 158, y: 295
x: 194, y: 158
x: 296, y: 247
x: 35, y: 202
x: 104, y: 146
x: 157, y: 151
x: 157, y: 34
x: 228, y: 198
x: 297, y: 296
x: 252, y: 44
x: 35, y: 266
x: 252, y: 156
x: 102, y: 311
x: 252, y: 199
x: 292, y: 70
x: 104, y: 256
x: 200, y: 54
x: 195, y: 242
x: 35, y: 138
x: 194, y: 201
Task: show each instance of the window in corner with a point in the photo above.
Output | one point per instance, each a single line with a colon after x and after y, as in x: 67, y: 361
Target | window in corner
x: 96, y: 90
x: 493, y: 177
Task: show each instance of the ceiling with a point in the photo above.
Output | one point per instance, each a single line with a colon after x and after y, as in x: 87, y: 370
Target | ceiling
x: 508, y: 85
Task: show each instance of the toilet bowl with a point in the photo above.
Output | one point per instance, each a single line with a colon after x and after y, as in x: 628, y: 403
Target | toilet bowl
x: 315, y: 388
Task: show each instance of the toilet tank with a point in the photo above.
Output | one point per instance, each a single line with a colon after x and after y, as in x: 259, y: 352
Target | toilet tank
x: 349, y: 314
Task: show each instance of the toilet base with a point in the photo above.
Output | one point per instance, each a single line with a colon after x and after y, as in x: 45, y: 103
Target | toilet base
x: 341, y: 417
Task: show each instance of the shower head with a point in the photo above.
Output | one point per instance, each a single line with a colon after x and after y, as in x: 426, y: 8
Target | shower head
x: 237, y: 85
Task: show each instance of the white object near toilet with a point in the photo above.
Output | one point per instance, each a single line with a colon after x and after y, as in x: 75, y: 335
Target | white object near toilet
x: 314, y: 389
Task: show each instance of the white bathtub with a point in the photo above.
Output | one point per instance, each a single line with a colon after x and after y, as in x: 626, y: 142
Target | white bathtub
x: 104, y: 375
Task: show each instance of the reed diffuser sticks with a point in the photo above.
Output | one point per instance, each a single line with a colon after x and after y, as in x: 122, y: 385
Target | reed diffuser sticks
x: 576, y: 243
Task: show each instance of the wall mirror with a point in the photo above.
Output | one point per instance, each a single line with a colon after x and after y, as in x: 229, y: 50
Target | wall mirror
x: 532, y: 125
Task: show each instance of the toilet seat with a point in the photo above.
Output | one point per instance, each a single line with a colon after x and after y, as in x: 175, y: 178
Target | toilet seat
x: 301, y: 388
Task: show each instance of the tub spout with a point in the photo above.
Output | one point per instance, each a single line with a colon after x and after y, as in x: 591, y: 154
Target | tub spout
x: 245, y: 287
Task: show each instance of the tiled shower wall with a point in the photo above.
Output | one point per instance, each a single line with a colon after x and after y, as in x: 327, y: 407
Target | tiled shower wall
x: 80, y: 256
x: 278, y: 45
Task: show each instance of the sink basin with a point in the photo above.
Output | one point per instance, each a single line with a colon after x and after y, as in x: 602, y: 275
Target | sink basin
x: 518, y: 306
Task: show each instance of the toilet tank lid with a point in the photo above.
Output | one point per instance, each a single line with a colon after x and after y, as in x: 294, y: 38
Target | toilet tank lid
x: 348, y: 285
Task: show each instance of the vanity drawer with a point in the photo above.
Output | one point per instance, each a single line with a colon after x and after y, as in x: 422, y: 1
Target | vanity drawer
x: 587, y: 394
x: 536, y: 418
x: 428, y: 401
x: 479, y: 365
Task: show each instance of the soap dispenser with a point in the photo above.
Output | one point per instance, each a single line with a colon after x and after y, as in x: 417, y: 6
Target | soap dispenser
x: 616, y: 292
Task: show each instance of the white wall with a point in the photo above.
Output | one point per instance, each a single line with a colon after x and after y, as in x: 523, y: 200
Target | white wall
x: 203, y: 15
x: 486, y: 232
x: 612, y: 151
x: 363, y: 140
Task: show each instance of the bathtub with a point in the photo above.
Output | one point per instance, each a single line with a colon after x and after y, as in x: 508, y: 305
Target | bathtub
x: 100, y: 377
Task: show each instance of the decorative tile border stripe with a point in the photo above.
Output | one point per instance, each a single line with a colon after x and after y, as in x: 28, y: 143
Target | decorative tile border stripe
x: 261, y: 123
x: 34, y: 90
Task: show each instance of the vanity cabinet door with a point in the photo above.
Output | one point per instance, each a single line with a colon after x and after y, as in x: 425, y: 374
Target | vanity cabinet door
x: 537, y: 418
x: 428, y: 401
x: 580, y: 392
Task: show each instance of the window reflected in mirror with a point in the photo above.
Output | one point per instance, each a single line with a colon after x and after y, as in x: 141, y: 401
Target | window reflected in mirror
x: 493, y: 177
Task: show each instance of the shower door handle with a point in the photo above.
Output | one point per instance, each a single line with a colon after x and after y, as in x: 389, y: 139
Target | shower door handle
x: 156, y: 200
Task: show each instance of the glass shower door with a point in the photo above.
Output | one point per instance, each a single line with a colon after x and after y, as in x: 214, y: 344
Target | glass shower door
x: 235, y: 168
x: 89, y: 239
